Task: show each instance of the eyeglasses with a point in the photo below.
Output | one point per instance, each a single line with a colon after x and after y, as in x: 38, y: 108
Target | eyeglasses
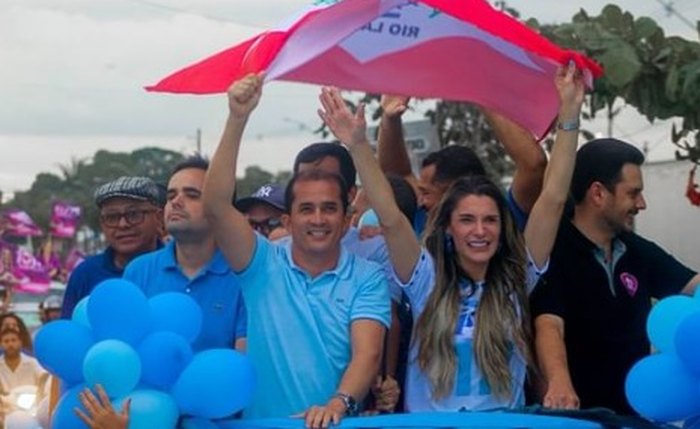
x: 265, y: 226
x: 132, y: 217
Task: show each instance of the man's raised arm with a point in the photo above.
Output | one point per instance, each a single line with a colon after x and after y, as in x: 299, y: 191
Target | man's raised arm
x: 234, y: 236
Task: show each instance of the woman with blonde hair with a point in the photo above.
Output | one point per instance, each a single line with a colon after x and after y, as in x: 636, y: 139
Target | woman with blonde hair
x: 469, y: 284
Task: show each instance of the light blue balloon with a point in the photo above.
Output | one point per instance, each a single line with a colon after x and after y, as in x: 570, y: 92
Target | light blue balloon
x: 660, y: 388
x: 176, y: 312
x: 115, y: 365
x: 696, y: 295
x: 664, y: 319
x: 21, y: 420
x: 119, y: 310
x: 368, y: 218
x: 163, y: 357
x: 64, y: 416
x: 80, y: 312
x: 216, y: 384
x: 150, y: 409
x: 688, y: 343
x: 61, y: 346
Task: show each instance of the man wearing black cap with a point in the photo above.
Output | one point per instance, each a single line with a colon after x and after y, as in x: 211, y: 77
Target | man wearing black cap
x: 131, y: 219
x: 590, y: 309
x: 264, y: 210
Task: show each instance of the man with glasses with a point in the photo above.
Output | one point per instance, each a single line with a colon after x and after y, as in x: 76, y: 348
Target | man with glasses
x: 264, y: 210
x: 131, y: 219
x: 190, y: 263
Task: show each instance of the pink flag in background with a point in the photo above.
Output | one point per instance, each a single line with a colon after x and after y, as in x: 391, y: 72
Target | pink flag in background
x: 22, y: 269
x: 65, y: 218
x: 18, y: 223
x: 462, y: 50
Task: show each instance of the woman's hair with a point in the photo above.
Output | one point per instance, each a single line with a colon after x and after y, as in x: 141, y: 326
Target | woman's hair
x: 24, y: 334
x: 502, y: 317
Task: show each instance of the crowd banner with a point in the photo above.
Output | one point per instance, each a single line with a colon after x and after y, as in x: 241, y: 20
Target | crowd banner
x: 455, y: 50
x: 17, y: 222
x: 22, y: 269
x: 65, y: 218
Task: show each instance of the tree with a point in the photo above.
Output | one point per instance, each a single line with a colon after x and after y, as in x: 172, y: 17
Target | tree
x: 656, y: 74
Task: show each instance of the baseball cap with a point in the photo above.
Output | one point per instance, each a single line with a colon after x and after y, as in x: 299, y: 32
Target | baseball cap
x: 52, y: 302
x: 271, y: 193
x: 132, y: 187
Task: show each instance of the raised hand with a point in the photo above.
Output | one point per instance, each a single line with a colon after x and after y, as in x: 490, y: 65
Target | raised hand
x: 569, y: 83
x: 393, y: 106
x: 349, y: 128
x: 244, y: 95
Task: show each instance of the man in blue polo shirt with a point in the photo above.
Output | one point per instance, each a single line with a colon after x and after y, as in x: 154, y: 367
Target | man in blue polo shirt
x: 131, y: 219
x: 191, y: 264
x: 318, y: 313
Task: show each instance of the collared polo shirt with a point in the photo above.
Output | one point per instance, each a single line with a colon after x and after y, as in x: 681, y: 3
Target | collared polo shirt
x: 299, y: 327
x: 470, y: 392
x: 604, y: 305
x: 215, y: 288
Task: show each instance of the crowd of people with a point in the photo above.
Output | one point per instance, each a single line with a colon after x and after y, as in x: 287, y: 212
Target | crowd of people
x: 464, y: 298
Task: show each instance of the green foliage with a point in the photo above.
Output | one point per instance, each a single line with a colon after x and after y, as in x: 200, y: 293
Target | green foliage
x: 658, y: 75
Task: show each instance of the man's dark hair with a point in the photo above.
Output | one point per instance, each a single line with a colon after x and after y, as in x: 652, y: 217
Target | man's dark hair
x: 601, y: 160
x: 8, y: 331
x: 315, y: 152
x: 453, y: 162
x: 316, y: 175
x: 192, y: 161
x: 404, y: 195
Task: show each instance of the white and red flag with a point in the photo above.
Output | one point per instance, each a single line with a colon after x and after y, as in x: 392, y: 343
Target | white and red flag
x: 462, y: 50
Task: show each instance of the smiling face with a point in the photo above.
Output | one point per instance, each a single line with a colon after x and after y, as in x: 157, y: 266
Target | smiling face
x: 137, y: 226
x: 626, y: 200
x: 317, y: 220
x: 475, y: 226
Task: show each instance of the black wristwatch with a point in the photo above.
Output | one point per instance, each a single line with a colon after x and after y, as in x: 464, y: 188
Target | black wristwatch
x: 349, y: 401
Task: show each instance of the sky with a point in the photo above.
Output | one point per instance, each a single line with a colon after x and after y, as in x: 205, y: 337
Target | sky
x: 73, y: 71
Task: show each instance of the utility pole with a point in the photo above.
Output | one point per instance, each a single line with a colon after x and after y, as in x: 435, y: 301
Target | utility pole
x: 199, y: 141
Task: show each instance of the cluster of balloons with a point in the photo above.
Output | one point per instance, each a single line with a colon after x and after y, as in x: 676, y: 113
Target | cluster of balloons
x: 665, y: 387
x: 139, y: 348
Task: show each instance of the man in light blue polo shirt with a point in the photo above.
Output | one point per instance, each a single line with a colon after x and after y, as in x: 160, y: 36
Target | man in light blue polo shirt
x: 191, y: 264
x: 318, y: 314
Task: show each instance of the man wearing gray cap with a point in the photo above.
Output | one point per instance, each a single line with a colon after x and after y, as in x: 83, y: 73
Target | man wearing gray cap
x: 131, y: 219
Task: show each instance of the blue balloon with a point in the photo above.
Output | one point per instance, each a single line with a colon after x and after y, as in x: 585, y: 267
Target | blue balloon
x: 696, y: 295
x: 216, y: 384
x: 176, y: 312
x: 163, y: 357
x: 80, y: 312
x: 118, y: 310
x: 659, y: 388
x: 61, y: 346
x: 664, y: 319
x: 368, y: 218
x: 688, y: 343
x: 64, y: 416
x: 115, y: 365
x: 150, y: 409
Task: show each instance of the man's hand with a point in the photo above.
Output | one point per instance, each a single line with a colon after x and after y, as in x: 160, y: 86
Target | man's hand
x: 244, y: 95
x: 318, y: 417
x: 560, y: 394
x: 569, y: 83
x: 386, y: 393
x: 348, y: 128
x: 394, y: 106
x: 100, y: 414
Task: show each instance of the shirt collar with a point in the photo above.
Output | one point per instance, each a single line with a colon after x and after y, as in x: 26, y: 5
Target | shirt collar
x: 341, y: 269
x: 216, y: 265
